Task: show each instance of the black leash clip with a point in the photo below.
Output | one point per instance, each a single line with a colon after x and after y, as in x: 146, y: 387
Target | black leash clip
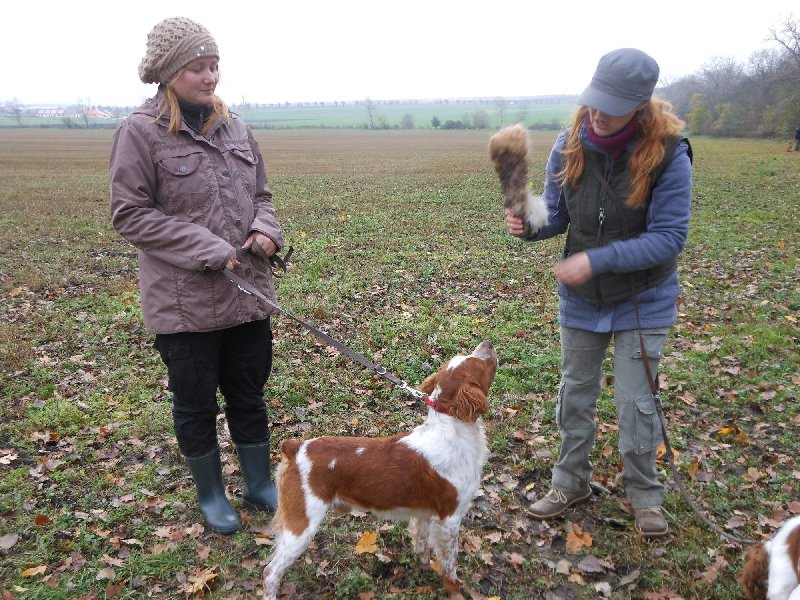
x: 280, y: 265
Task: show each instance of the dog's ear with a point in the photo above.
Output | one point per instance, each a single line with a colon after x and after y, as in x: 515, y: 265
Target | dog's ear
x: 755, y: 572
x: 429, y: 383
x: 470, y: 403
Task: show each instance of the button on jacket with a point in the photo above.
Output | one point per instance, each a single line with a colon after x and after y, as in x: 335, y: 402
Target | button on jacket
x: 186, y: 202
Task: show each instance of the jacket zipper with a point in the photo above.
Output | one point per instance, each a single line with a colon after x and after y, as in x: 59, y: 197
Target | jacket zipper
x: 601, y: 217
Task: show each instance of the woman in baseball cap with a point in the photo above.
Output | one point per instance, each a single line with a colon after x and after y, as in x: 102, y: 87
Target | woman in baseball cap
x: 619, y: 184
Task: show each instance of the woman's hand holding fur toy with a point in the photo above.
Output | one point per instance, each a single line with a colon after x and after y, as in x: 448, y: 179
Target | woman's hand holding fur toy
x: 515, y: 225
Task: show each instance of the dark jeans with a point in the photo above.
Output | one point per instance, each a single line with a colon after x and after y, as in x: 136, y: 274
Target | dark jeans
x: 238, y: 361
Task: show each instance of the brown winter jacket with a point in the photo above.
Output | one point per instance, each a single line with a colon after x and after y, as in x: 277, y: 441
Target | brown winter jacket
x: 186, y: 202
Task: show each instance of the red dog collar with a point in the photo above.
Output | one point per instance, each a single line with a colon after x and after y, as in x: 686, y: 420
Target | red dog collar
x: 427, y: 400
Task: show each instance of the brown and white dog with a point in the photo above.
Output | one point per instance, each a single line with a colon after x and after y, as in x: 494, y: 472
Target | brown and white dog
x: 772, y: 569
x: 428, y: 476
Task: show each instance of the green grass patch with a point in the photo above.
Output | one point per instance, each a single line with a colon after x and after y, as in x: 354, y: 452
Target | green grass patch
x: 400, y: 252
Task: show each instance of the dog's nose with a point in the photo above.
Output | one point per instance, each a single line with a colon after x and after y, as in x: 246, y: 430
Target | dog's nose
x: 484, y: 350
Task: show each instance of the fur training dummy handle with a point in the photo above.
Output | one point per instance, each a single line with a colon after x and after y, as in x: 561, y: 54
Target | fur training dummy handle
x: 508, y: 149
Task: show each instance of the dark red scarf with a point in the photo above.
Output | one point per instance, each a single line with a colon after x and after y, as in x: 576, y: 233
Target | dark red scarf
x: 613, y: 145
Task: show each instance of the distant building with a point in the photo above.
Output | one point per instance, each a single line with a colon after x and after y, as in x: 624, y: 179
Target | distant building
x: 99, y: 114
x: 48, y: 113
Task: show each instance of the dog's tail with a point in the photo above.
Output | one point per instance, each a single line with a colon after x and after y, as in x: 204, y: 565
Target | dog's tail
x: 508, y: 149
x: 287, y: 479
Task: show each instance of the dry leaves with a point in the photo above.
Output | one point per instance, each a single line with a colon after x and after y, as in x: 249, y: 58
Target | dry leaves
x: 577, y: 539
x: 367, y: 544
x: 197, y: 582
x: 8, y: 540
x: 34, y: 571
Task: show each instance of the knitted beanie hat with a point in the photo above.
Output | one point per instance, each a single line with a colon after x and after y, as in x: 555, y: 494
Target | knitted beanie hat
x: 171, y: 45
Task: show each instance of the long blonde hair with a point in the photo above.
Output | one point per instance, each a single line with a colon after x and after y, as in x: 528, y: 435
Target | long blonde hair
x: 657, y: 122
x: 170, y: 104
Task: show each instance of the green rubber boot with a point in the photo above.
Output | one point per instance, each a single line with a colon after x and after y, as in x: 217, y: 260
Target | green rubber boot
x: 259, y: 492
x: 217, y: 511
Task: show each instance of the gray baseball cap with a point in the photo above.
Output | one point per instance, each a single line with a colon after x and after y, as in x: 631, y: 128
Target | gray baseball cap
x: 624, y: 78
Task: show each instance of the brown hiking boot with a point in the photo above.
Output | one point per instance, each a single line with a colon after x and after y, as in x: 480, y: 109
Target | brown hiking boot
x: 556, y: 502
x: 650, y: 521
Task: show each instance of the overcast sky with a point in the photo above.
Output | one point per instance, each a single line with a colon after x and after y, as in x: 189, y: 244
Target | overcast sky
x: 324, y: 50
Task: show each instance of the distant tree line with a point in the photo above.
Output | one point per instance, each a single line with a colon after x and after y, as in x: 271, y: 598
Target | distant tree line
x: 760, y: 98
x: 480, y: 119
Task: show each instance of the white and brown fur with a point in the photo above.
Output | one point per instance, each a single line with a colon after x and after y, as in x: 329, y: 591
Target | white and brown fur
x: 772, y: 568
x: 428, y: 476
x: 508, y: 149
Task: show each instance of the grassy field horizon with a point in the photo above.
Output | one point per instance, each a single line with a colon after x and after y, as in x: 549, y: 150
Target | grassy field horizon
x: 542, y: 112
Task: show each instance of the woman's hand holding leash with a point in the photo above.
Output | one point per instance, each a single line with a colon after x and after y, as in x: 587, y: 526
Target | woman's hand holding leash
x: 259, y: 238
x: 267, y: 246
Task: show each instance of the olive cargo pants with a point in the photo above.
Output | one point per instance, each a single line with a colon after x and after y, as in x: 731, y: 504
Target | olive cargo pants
x: 582, y: 354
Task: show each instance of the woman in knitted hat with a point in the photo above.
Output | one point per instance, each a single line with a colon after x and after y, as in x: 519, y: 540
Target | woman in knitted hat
x: 619, y: 183
x: 189, y: 191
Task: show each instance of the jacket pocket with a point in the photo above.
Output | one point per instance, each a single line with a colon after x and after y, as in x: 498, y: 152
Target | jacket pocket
x: 186, y: 189
x: 244, y: 161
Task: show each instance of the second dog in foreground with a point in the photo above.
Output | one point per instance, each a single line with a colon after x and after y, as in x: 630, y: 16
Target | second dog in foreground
x: 428, y: 476
x: 772, y: 568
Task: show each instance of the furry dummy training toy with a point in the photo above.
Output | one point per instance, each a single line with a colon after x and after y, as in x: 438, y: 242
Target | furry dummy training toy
x: 508, y: 149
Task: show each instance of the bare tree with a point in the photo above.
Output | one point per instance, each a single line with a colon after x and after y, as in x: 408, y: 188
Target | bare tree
x: 523, y: 111
x: 481, y: 120
x: 16, y: 110
x: 500, y: 102
x: 760, y: 97
x: 370, y: 106
x: 788, y: 36
x: 84, y: 104
x: 721, y: 77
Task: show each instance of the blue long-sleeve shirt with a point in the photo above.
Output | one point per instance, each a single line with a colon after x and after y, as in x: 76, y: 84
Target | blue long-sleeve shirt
x: 667, y: 228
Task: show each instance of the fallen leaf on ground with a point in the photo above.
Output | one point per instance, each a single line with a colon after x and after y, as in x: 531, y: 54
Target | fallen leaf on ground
x: 753, y: 474
x: 515, y: 560
x: 577, y: 539
x: 198, y: 581
x: 367, y: 544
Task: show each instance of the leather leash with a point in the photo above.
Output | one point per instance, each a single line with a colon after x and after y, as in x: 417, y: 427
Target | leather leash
x: 247, y: 288
x: 653, y: 382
